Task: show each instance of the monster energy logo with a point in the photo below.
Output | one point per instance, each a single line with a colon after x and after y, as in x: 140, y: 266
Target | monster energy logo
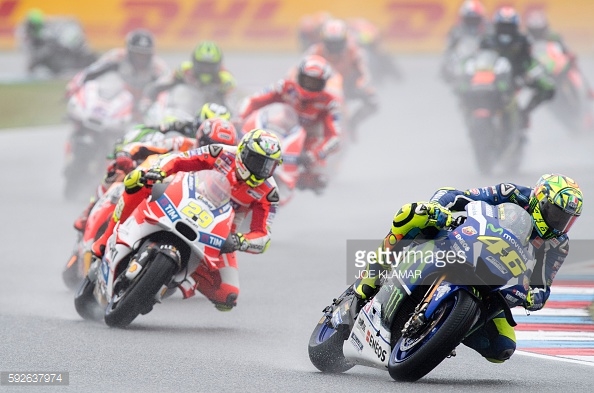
x: 495, y: 230
x: 393, y: 302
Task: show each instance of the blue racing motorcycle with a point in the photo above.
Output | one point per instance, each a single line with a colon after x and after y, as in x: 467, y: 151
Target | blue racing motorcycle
x: 435, y: 293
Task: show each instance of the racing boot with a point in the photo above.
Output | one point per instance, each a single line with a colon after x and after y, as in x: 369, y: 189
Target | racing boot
x: 227, y: 306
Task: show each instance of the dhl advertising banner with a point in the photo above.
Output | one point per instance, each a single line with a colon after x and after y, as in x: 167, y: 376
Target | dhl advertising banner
x: 262, y: 25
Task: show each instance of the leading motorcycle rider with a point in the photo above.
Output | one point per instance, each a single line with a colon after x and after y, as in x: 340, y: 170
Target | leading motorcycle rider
x: 249, y: 168
x: 554, y: 203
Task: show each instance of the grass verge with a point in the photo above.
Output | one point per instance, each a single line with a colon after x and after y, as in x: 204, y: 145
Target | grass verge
x: 36, y: 103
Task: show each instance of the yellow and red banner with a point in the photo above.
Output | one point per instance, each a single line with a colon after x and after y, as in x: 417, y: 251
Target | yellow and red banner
x: 271, y: 25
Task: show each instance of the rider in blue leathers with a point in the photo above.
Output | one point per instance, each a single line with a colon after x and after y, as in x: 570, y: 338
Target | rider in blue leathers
x: 554, y: 204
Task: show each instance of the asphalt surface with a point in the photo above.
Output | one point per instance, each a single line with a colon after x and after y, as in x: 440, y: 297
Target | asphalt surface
x: 415, y: 144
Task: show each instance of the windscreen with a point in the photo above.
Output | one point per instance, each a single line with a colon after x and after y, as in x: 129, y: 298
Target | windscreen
x: 516, y: 220
x: 214, y: 186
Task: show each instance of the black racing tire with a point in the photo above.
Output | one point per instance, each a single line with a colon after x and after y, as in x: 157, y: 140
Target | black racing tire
x: 481, y: 135
x: 85, y: 303
x: 71, y: 276
x: 325, y: 350
x: 458, y: 318
x: 139, y: 296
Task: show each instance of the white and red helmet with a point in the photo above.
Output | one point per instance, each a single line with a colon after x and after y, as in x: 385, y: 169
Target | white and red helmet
x: 334, y: 36
x: 216, y: 130
x: 312, y: 75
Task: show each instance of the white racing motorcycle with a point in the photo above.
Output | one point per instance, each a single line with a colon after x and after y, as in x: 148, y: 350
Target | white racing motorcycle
x: 182, y: 224
x: 100, y: 112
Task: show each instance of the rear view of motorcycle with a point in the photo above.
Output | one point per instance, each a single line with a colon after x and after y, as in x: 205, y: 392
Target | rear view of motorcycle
x: 572, y: 103
x: 99, y: 112
x: 435, y: 294
x: 182, y: 101
x: 491, y: 112
x: 282, y: 120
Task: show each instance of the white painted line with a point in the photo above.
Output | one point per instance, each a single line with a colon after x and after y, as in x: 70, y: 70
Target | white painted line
x: 561, y: 312
x: 579, y: 357
x: 557, y: 358
x: 566, y: 290
x: 538, y: 335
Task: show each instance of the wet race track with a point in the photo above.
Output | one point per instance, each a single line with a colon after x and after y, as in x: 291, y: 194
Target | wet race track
x: 415, y: 144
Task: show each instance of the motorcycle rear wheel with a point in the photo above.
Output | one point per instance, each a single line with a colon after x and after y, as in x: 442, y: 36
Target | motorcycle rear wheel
x: 85, y: 303
x: 325, y: 350
x: 453, y: 325
x: 140, y: 294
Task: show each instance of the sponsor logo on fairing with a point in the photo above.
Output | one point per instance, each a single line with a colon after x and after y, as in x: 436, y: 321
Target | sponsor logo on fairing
x: 168, y: 208
x: 361, y: 325
x: 211, y: 240
x: 469, y: 231
x: 461, y: 241
x: 519, y: 294
x: 356, y: 342
x: 496, y: 263
x: 374, y: 343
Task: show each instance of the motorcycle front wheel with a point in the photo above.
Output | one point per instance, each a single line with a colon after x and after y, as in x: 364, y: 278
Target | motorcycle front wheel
x: 415, y: 356
x: 139, y: 296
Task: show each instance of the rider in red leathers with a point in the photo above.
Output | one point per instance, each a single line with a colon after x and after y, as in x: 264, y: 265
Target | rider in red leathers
x: 249, y: 168
x: 347, y: 58
x: 314, y: 106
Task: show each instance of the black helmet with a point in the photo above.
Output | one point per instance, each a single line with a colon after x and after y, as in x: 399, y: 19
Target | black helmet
x: 140, y: 46
x: 507, y: 24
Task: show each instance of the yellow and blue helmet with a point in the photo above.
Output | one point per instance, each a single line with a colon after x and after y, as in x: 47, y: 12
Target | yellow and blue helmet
x: 258, y: 155
x: 555, y: 204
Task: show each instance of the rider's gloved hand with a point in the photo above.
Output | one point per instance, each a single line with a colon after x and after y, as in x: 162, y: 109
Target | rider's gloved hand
x: 134, y: 181
x: 535, y: 299
x: 439, y: 216
x: 307, y: 159
x: 154, y: 175
x: 235, y: 241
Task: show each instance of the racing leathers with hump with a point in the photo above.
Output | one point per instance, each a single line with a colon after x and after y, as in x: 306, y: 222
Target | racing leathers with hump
x: 510, y: 43
x: 249, y: 168
x: 204, y: 71
x: 137, y: 65
x: 554, y: 204
x: 463, y: 39
x: 346, y: 57
x: 315, y: 106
